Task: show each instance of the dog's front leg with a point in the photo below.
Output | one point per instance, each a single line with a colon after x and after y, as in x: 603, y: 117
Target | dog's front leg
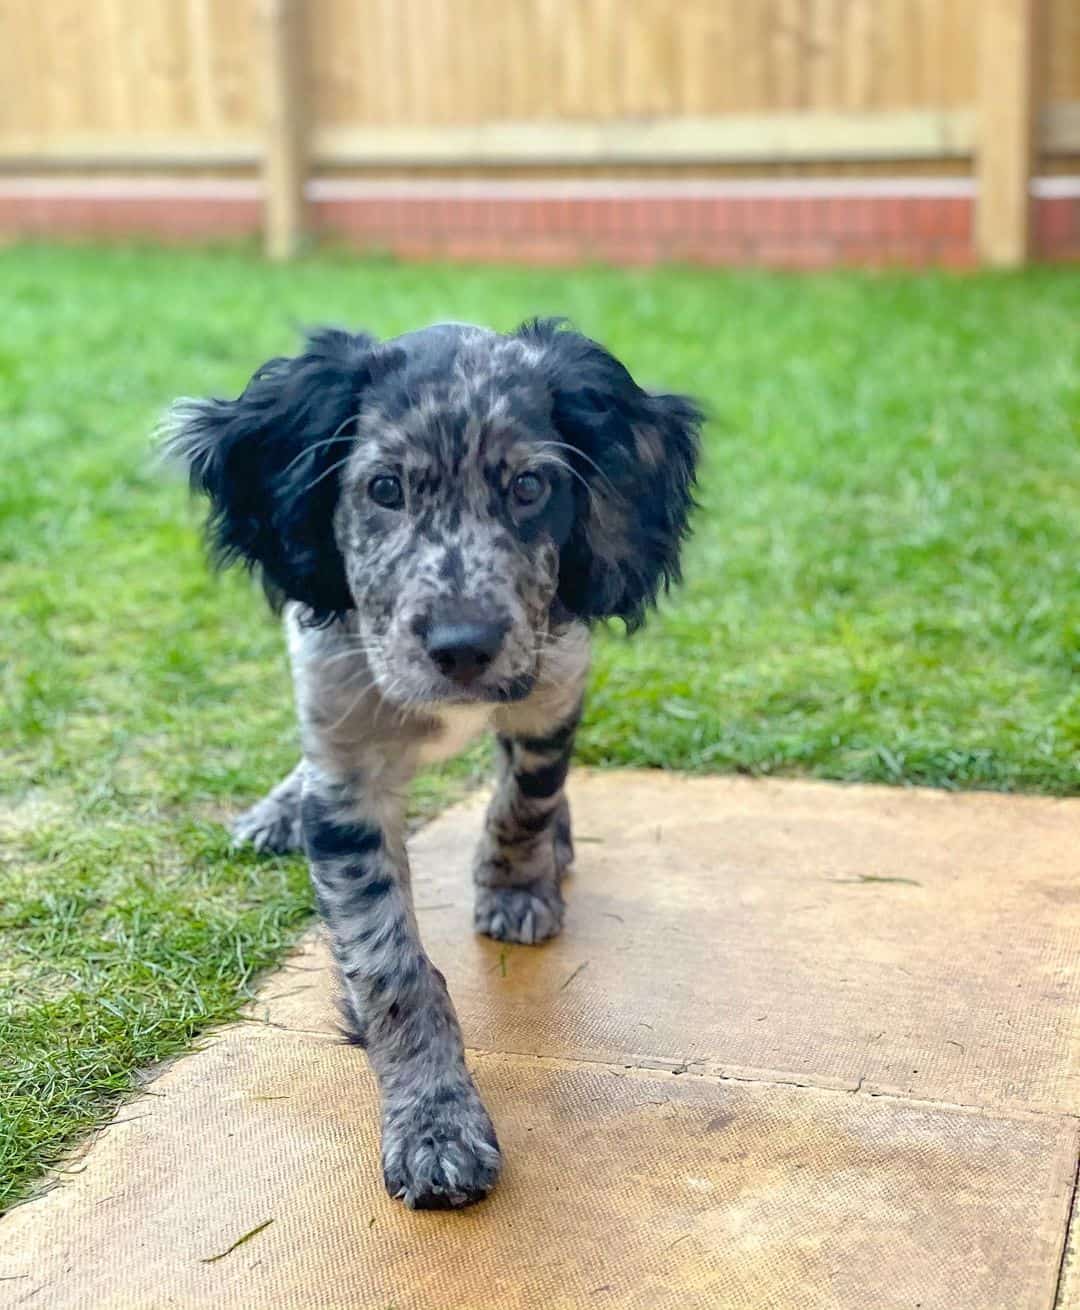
x: 438, y: 1145
x: 527, y: 845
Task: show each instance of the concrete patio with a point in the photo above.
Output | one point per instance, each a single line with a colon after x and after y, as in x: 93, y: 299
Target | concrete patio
x: 800, y: 1046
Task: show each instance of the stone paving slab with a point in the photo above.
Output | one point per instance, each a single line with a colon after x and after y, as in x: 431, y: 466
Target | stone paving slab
x: 906, y: 941
x: 800, y: 1046
x: 623, y: 1188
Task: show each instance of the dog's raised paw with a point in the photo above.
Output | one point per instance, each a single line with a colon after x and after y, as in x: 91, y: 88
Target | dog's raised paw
x: 439, y: 1156
x: 271, y: 827
x: 528, y: 914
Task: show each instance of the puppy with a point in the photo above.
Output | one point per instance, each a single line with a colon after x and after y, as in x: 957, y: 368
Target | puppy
x: 442, y: 517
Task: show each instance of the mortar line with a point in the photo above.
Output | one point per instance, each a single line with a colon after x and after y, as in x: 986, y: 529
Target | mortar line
x: 793, y: 1080
x: 1072, y: 1219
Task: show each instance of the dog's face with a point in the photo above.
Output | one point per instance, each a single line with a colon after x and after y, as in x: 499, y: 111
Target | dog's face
x: 454, y: 507
x: 463, y: 491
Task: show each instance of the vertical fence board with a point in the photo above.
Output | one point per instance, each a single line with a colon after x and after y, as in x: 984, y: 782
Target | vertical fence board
x: 1007, y: 96
x: 284, y: 76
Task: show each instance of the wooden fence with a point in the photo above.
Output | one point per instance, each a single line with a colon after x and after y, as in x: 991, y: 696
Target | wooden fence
x: 300, y: 86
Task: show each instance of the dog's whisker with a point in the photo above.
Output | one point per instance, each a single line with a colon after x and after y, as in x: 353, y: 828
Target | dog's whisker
x: 386, y: 698
x: 356, y: 642
x: 561, y: 462
x: 353, y: 706
x: 564, y: 445
x: 318, y: 445
x: 354, y: 653
x: 326, y: 473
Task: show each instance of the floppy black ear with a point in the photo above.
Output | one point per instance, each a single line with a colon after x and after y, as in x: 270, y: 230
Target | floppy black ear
x: 268, y: 461
x: 637, y: 453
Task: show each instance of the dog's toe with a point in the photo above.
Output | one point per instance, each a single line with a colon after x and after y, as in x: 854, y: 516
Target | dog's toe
x: 527, y: 914
x: 439, y: 1160
x: 269, y: 826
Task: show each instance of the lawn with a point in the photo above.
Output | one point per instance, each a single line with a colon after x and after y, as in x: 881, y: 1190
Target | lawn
x: 883, y: 585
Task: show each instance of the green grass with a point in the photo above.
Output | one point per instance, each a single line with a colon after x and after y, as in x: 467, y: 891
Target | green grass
x: 883, y: 586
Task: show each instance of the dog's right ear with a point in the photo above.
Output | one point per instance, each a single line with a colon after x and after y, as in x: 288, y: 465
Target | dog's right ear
x: 269, y: 463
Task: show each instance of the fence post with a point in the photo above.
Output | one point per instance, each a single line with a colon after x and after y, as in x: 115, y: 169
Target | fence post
x: 1007, y: 107
x: 285, y: 117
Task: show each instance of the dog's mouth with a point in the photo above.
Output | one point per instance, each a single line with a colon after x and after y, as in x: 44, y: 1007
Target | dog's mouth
x: 405, y: 675
x: 503, y: 692
x: 418, y: 685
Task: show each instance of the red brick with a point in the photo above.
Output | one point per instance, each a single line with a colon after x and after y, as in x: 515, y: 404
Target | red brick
x: 772, y: 253
x: 726, y: 217
x: 588, y: 218
x: 470, y: 249
x: 640, y: 251
x: 718, y: 250
x: 785, y: 217
x: 670, y: 217
x: 551, y: 250
x: 460, y: 217
x: 730, y: 218
x: 496, y: 225
x: 837, y: 218
x: 759, y: 216
x: 541, y: 216
x: 956, y: 254
x: 860, y: 252
x: 635, y: 220
x: 526, y: 218
x: 702, y: 215
x: 801, y: 217
x: 910, y: 205
x: 852, y: 216
x: 1057, y: 224
x: 413, y: 248
x: 935, y: 218
x: 819, y: 217
x: 1053, y: 221
x: 959, y: 218
x: 877, y: 222
x: 897, y: 252
x: 894, y: 217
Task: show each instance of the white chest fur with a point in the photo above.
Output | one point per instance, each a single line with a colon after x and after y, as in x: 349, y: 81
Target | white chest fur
x: 458, y: 725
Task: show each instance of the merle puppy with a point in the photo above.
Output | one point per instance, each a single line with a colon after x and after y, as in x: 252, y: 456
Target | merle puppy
x: 442, y: 517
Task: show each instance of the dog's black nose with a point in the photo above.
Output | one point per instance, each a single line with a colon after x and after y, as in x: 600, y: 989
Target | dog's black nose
x: 462, y: 651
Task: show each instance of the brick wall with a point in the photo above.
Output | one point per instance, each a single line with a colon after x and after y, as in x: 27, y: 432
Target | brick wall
x: 792, y: 226
x: 799, y: 224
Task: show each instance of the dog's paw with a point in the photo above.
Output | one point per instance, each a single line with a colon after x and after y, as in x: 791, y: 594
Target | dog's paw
x: 273, y: 828
x: 528, y: 914
x: 440, y: 1153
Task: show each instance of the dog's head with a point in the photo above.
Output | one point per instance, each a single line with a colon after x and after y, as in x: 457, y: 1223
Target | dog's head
x: 463, y: 491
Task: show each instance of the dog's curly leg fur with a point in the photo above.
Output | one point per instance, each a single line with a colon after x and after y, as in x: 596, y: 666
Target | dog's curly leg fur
x: 527, y: 845
x: 438, y: 1144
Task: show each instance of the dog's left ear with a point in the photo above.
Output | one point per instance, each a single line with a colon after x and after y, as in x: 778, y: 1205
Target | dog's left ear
x: 636, y: 455
x: 269, y: 463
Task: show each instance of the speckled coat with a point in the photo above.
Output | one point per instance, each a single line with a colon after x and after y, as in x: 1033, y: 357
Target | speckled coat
x: 441, y: 516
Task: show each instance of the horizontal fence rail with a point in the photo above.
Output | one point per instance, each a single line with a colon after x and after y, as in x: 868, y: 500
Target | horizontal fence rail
x: 916, y: 134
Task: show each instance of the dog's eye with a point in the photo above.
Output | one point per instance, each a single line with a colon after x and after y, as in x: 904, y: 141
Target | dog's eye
x: 527, y: 488
x: 385, y: 490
